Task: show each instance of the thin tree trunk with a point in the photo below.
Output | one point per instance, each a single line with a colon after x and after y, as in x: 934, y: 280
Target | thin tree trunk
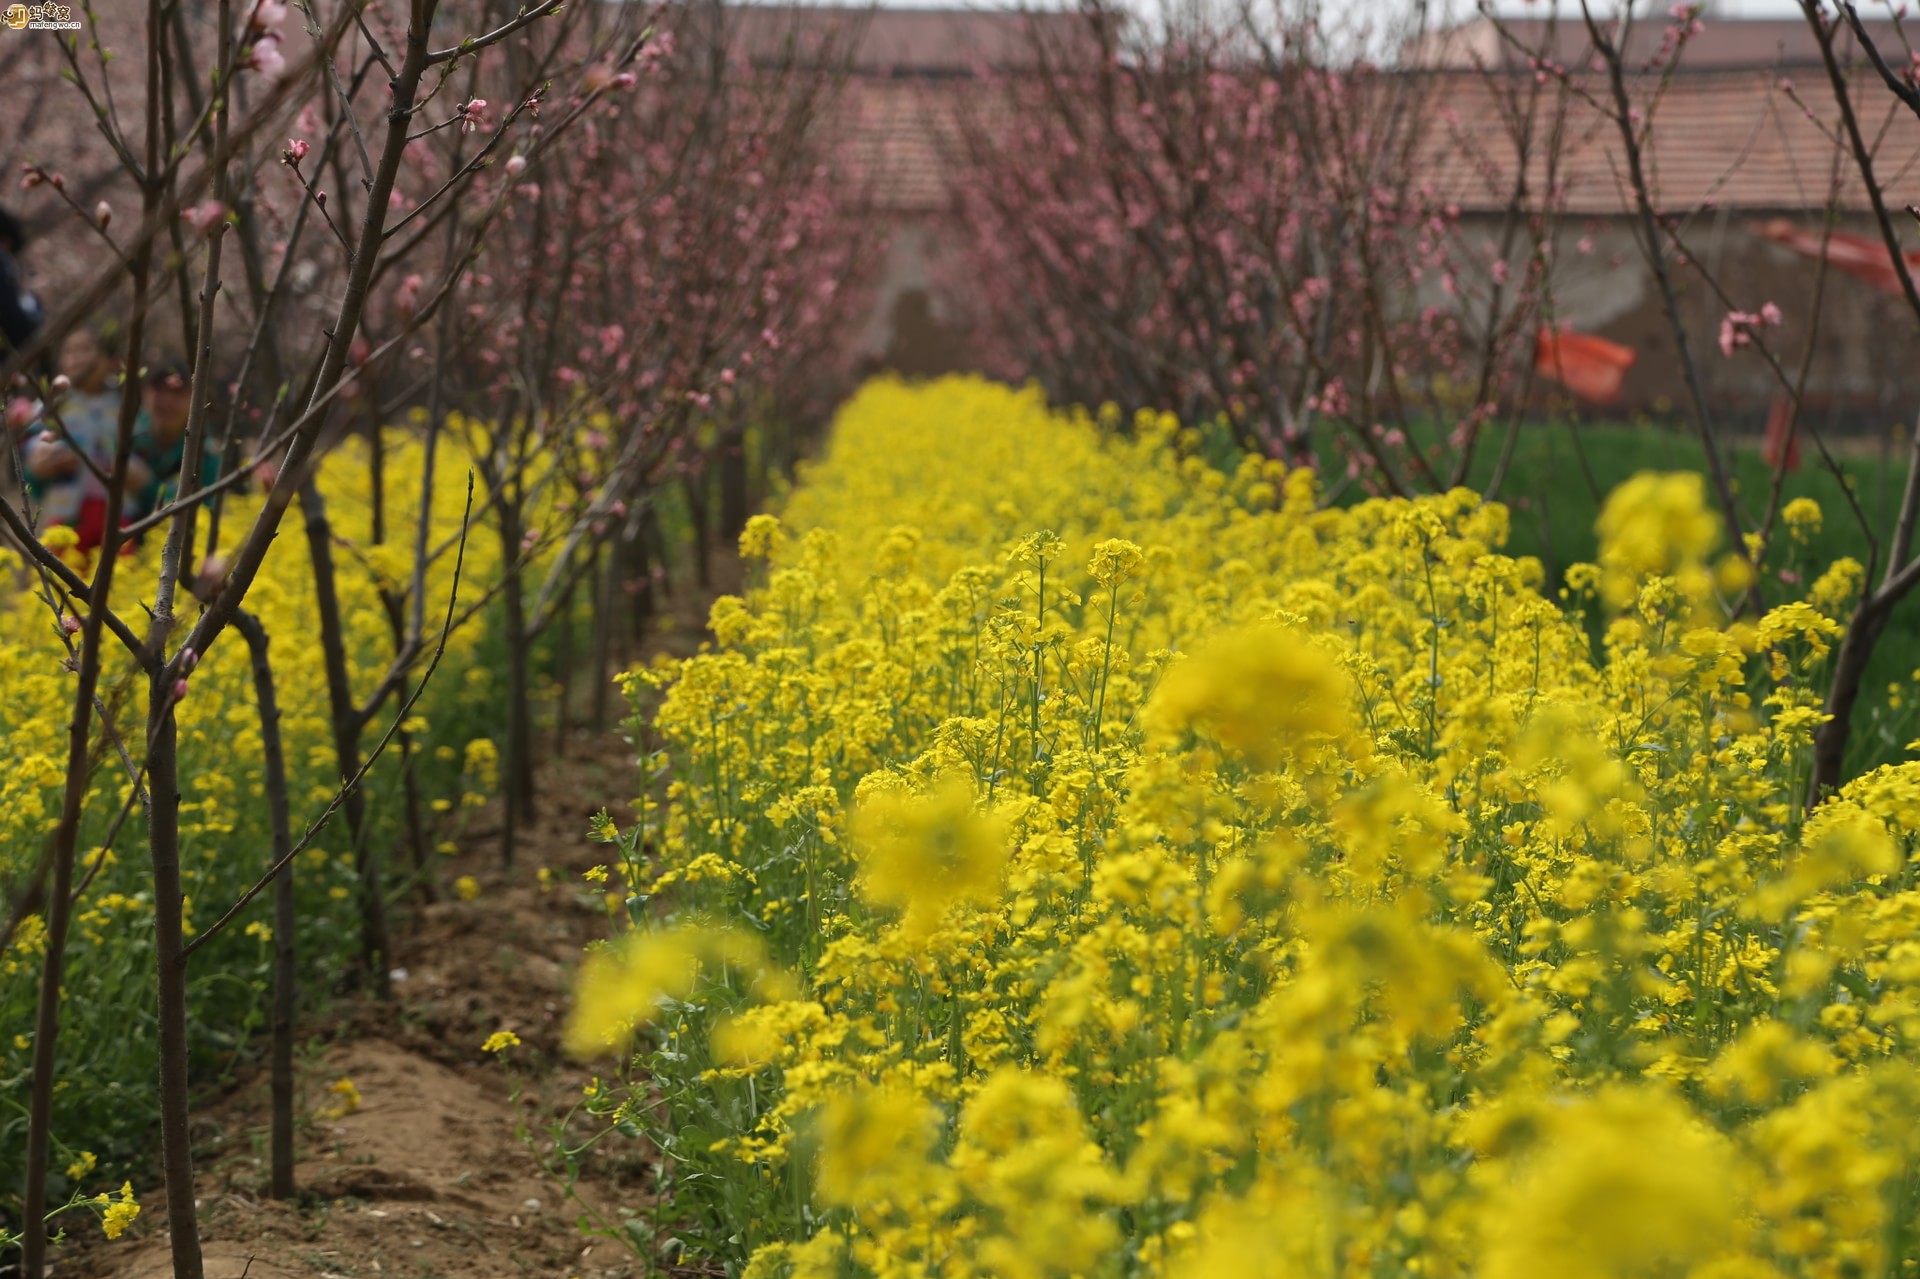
x: 605, y: 584
x: 641, y: 553
x: 163, y: 761
x: 410, y: 794
x: 519, y: 752
x: 563, y: 648
x: 1849, y: 669
x: 733, y: 483
x: 1864, y: 629
x: 696, y: 488
x: 285, y: 975
x: 163, y: 754
x: 375, y: 940
x: 59, y: 902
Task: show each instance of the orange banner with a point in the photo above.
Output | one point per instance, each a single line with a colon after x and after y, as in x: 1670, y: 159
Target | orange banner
x: 1591, y: 367
x: 1865, y: 259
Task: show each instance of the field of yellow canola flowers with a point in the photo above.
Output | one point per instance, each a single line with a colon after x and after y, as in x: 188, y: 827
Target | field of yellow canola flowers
x: 1078, y: 861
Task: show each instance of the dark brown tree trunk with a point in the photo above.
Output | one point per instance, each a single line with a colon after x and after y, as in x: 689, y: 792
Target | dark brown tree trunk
x: 285, y: 975
x: 1843, y: 694
x: 410, y: 795
x: 59, y: 903
x: 642, y: 551
x: 563, y: 658
x: 605, y: 583
x: 376, y: 947
x: 697, y: 513
x: 734, y: 498
x: 176, y: 1142
x: 518, y: 771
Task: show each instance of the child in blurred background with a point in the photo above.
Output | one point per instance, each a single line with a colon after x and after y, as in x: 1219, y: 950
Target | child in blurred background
x: 160, y: 436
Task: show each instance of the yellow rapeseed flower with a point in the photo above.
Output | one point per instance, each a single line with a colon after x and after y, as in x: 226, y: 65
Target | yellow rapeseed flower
x: 874, y: 1146
x: 120, y: 1212
x: 1263, y: 692
x: 927, y: 852
x: 1623, y: 1183
x: 348, y: 1095
x: 621, y: 986
x: 499, y: 1041
x: 1654, y: 525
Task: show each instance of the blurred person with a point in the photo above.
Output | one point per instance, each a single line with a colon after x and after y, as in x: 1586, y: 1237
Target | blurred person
x: 20, y: 312
x: 160, y: 436
x: 80, y: 425
x: 20, y: 318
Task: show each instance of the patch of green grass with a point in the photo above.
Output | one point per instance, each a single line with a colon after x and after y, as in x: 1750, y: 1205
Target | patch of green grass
x: 1557, y: 468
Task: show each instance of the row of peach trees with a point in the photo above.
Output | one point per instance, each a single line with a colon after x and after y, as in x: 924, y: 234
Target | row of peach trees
x: 1239, y: 214
x: 575, y: 248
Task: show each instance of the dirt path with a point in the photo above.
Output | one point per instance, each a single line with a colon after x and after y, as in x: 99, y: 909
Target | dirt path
x: 434, y: 1174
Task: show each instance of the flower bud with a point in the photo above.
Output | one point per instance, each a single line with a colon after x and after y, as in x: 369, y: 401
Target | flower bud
x: 266, y: 58
x: 205, y: 216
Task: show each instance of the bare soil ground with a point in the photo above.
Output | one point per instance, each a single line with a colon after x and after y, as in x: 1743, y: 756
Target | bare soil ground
x: 438, y: 1172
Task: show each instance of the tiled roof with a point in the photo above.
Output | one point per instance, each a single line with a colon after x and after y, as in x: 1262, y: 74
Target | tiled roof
x: 911, y: 77
x: 1720, y: 43
x: 1727, y: 131
x: 1732, y: 139
x: 899, y: 43
x: 898, y: 138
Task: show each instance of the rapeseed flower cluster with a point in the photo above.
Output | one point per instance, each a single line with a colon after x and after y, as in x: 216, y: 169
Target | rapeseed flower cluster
x: 1177, y: 877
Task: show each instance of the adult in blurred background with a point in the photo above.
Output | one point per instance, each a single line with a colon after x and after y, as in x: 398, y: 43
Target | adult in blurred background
x: 70, y: 448
x: 20, y: 312
x: 20, y: 319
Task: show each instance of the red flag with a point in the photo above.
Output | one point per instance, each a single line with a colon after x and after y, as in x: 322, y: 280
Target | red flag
x: 1861, y: 257
x: 1783, y: 441
x: 1591, y: 367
